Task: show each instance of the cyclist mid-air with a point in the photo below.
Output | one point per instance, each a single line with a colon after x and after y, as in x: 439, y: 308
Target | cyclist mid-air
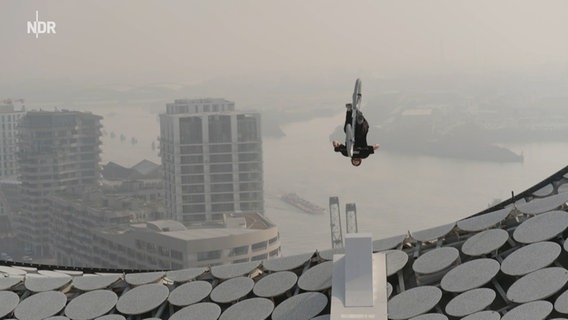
x: 356, y: 128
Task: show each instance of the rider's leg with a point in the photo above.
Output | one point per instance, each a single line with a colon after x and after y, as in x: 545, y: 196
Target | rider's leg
x: 361, y: 131
x: 348, y: 119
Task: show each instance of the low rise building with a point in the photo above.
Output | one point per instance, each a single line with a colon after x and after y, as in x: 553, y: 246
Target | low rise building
x: 168, y: 244
x: 114, y: 231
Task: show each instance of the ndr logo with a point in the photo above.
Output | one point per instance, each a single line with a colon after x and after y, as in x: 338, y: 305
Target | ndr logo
x: 36, y: 27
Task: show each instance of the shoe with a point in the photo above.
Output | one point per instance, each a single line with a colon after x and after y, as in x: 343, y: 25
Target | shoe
x: 349, y: 106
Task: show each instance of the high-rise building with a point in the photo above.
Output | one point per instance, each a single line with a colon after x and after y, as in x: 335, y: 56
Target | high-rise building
x: 212, y: 159
x: 59, y: 151
x: 9, y: 118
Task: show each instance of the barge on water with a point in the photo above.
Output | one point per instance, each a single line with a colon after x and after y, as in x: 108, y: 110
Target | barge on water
x: 302, y: 204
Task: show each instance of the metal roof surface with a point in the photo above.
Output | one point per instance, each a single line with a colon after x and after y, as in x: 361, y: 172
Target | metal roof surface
x: 466, y: 269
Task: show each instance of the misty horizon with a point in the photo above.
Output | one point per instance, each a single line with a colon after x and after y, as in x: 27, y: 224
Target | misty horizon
x: 136, y: 43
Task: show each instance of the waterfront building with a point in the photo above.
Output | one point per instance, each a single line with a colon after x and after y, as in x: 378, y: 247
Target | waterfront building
x: 59, y: 151
x: 212, y: 160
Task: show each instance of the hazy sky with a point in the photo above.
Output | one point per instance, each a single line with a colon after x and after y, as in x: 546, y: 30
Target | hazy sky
x: 183, y: 41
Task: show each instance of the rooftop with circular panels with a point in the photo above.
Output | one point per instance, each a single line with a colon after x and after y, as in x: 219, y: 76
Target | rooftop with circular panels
x: 500, y: 263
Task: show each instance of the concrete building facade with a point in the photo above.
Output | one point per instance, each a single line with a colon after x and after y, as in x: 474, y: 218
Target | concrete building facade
x: 9, y: 119
x: 59, y: 151
x: 169, y: 245
x: 74, y: 219
x: 212, y: 159
x: 112, y: 231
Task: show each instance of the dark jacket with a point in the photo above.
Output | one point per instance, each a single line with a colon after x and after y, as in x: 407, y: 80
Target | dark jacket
x: 358, y: 152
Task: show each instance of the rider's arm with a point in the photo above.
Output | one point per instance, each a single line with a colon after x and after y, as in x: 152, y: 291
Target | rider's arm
x: 339, y: 147
x: 364, y: 152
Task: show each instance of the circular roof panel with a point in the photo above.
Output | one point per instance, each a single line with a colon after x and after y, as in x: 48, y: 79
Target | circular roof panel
x: 485, y: 242
x: 470, y: 301
x: 189, y: 293
x: 530, y: 258
x: 537, y: 285
x: 300, y: 307
x: 91, y: 305
x: 413, y: 302
x: 484, y: 221
x: 142, y: 299
x: 250, y: 309
x: 542, y: 227
x: 470, y: 275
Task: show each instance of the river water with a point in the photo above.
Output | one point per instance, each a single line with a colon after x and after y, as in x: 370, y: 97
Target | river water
x: 393, y: 193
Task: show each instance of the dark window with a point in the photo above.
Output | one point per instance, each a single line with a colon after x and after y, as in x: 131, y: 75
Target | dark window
x: 247, y: 128
x: 221, y: 207
x: 238, y: 251
x: 190, y: 130
x: 219, y: 128
x: 259, y: 246
x: 209, y: 255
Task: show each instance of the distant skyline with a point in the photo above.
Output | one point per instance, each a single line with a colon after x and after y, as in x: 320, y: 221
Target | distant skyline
x: 139, y: 42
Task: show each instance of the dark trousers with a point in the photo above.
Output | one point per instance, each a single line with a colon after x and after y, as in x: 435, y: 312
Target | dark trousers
x: 361, y: 128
